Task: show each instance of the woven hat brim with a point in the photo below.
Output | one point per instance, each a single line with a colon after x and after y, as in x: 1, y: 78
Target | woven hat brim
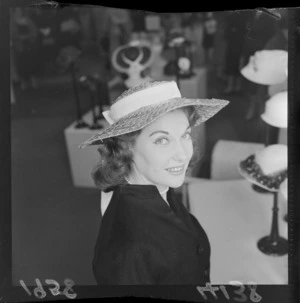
x: 205, y: 108
x: 251, y: 176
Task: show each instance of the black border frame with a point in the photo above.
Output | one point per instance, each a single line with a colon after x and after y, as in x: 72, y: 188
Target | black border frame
x: 269, y: 293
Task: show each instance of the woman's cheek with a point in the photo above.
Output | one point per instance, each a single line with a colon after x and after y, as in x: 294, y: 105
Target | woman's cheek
x: 189, y: 150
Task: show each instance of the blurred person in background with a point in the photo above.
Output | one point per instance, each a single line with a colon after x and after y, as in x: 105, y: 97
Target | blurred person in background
x: 235, y: 30
x: 138, y: 21
x: 220, y: 45
x: 48, y: 26
x: 210, y: 29
x: 193, y: 31
x: 280, y: 38
x: 25, y: 50
x: 70, y: 30
x: 94, y: 22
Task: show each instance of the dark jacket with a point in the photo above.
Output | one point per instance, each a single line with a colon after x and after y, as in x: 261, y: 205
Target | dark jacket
x: 143, y: 241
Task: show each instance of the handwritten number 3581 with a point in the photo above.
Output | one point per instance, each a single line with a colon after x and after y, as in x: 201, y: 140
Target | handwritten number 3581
x: 40, y: 293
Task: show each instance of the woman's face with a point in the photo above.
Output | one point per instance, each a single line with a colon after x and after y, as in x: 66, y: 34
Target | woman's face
x: 163, y: 149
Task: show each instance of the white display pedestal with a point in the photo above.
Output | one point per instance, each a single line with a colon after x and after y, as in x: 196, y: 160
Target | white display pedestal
x: 82, y: 161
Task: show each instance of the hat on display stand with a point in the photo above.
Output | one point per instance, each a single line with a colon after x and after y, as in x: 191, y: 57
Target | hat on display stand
x: 132, y: 60
x: 276, y: 110
x: 267, y: 168
x: 267, y: 67
x: 182, y: 66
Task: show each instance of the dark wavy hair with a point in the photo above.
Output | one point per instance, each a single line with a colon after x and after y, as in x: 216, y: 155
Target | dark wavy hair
x: 117, y: 157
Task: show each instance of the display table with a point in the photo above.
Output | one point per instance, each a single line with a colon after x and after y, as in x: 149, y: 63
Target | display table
x: 235, y: 217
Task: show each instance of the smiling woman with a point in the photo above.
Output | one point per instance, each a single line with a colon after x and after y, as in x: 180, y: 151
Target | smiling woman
x: 147, y: 236
x: 117, y: 154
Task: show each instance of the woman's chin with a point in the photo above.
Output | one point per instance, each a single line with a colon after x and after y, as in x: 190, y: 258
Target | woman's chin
x: 175, y: 183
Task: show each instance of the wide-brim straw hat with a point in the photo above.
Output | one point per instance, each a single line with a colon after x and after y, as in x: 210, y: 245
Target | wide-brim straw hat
x: 267, y: 168
x: 267, y: 67
x: 139, y: 106
x: 276, y: 110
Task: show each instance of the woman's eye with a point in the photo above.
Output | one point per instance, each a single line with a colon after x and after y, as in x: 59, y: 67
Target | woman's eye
x: 162, y: 141
x: 187, y: 136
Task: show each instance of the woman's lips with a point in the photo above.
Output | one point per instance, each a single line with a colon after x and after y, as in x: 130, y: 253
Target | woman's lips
x: 176, y: 170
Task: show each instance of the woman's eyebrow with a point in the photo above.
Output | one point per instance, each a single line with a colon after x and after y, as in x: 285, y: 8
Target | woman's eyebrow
x: 159, y: 131
x: 165, y: 132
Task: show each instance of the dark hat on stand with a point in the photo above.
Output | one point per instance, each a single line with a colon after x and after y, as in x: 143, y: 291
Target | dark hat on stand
x: 267, y: 168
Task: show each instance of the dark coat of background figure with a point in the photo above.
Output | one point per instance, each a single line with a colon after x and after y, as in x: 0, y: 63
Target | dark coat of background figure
x: 259, y: 30
x: 235, y: 31
x: 260, y: 27
x: 143, y: 241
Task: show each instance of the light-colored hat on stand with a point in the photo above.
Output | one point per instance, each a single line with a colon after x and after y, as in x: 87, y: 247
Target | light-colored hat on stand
x: 267, y: 67
x: 266, y: 168
x: 276, y: 110
x: 139, y: 106
x: 137, y: 53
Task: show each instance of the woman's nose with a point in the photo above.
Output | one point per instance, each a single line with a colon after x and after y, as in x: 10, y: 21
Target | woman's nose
x: 180, y: 153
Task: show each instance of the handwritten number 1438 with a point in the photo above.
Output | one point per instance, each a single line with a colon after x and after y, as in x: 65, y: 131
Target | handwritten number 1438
x: 40, y: 293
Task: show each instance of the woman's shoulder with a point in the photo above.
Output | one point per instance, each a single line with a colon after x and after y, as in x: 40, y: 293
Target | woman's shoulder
x: 136, y: 207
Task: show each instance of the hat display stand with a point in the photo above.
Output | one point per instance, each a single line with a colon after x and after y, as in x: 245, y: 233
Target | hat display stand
x: 132, y: 60
x: 275, y: 115
x: 91, y: 88
x: 80, y: 123
x: 182, y: 65
x: 268, y: 74
x: 102, y: 93
x: 273, y: 244
x: 255, y: 187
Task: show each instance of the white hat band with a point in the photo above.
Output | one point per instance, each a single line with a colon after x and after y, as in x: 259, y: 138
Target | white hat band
x: 142, y: 98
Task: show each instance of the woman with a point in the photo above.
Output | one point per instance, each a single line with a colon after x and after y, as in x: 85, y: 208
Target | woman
x: 146, y: 236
